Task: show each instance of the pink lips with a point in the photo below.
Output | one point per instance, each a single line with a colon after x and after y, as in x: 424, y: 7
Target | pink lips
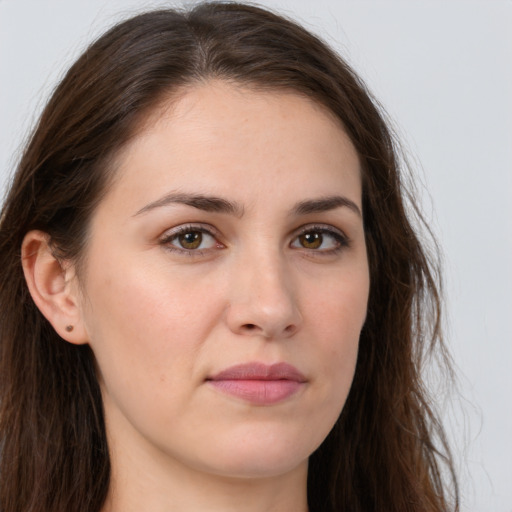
x: 259, y: 383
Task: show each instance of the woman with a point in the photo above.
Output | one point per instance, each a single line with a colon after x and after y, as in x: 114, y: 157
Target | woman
x: 220, y: 302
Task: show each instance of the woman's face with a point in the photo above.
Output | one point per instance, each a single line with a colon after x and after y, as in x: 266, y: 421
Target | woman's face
x: 226, y: 283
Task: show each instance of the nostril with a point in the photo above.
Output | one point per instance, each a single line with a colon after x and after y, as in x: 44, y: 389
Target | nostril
x: 256, y: 329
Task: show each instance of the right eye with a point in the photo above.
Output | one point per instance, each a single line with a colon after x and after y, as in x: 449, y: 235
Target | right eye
x: 190, y: 239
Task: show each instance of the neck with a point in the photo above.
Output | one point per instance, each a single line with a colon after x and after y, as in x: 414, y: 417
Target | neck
x: 136, y: 489
x: 156, y: 483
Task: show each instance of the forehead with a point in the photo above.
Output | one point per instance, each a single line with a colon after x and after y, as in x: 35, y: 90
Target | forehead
x: 220, y: 138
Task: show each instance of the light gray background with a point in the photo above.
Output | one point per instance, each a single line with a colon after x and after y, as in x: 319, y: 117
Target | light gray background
x: 443, y: 70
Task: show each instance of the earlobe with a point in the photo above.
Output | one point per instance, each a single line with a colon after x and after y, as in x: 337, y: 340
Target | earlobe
x: 52, y: 285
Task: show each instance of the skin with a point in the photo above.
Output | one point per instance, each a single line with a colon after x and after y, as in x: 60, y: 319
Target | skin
x: 162, y: 319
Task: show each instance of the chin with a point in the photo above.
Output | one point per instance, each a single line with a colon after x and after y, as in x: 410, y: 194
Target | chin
x: 260, y: 456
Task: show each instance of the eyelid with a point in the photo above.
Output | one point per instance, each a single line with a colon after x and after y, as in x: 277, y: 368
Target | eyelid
x: 190, y: 226
x: 315, y: 226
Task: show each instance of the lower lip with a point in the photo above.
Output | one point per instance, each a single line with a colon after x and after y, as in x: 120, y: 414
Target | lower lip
x: 260, y: 392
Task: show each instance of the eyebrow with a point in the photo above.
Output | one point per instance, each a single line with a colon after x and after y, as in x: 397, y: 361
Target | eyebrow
x: 199, y: 201
x: 325, y: 204
x: 221, y: 205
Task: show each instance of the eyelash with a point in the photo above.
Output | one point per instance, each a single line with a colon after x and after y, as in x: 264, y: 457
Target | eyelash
x: 340, y: 239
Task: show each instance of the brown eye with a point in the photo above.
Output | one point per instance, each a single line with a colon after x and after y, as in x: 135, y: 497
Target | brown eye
x: 311, y: 240
x: 191, y: 240
x: 322, y: 240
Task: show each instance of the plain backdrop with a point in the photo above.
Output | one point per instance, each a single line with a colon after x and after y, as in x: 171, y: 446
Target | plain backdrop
x: 443, y: 71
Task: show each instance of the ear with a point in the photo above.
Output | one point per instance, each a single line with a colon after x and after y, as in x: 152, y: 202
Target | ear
x: 53, y: 286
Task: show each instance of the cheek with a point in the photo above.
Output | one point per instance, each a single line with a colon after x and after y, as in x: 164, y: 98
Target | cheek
x: 143, y: 322
x: 335, y: 314
x: 337, y: 317
x: 339, y: 307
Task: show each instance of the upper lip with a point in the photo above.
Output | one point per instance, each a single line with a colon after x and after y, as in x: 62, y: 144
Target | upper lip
x: 260, y: 371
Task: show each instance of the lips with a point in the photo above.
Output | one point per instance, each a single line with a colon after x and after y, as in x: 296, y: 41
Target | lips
x: 259, y: 383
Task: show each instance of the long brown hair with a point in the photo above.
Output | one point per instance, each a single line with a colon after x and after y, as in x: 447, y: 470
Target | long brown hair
x: 387, y: 451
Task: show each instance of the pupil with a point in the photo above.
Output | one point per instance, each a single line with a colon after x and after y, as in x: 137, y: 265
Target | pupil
x: 191, y: 240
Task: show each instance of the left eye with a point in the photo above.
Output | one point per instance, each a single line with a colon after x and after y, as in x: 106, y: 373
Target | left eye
x: 192, y: 239
x: 318, y: 239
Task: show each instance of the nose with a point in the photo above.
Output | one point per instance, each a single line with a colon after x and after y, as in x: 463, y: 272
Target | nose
x: 263, y: 301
